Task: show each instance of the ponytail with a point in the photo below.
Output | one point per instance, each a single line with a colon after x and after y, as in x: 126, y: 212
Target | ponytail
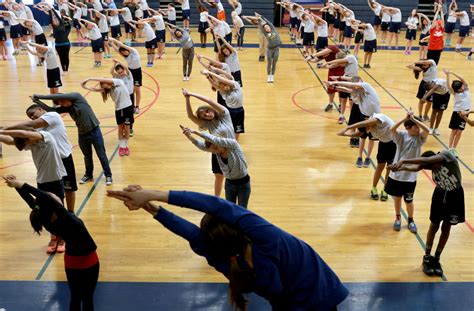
x: 35, y: 220
x: 239, y: 280
x: 417, y: 73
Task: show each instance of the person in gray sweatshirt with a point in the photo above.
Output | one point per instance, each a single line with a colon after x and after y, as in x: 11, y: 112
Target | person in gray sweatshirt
x: 273, y: 49
x: 187, y: 46
x: 232, y: 162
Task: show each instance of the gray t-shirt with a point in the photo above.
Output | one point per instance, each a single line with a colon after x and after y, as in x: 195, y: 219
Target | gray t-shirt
x: 352, y: 67
x: 408, y: 147
x: 47, y: 159
x: 382, y: 130
x: 58, y: 129
x: 235, y: 98
x: 120, y: 95
x: 233, y: 61
x: 185, y: 40
x: 222, y: 126
x: 448, y: 177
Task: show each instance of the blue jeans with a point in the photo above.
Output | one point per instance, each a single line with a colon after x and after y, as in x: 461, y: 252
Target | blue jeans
x: 240, y: 192
x: 86, y: 141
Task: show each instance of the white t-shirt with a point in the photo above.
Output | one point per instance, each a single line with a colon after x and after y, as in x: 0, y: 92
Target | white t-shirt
x: 431, y: 73
x: 382, y: 130
x: 126, y: 14
x: 159, y: 22
x: 97, y: 5
x: 149, y: 32
x: 12, y: 19
x: 452, y: 17
x: 220, y: 7
x: 323, y: 30
x: 442, y: 86
x: 77, y: 13
x: 203, y: 17
x: 120, y: 95
x: 352, y: 67
x: 128, y: 81
x: 103, y: 27
x: 235, y: 98
x: 172, y: 14
x: 233, y: 61
x: 94, y: 33
x: 29, y: 13
x: 239, y: 22
x: 185, y: 5
x: 377, y: 9
x: 84, y: 10
x: 293, y: 13
x: 36, y: 28
x: 225, y: 68
x: 369, y: 104
x: 133, y: 59
x: 144, y: 5
x: 464, y: 19
x: 350, y: 18
x: 50, y: 59
x: 63, y: 7
x: 369, y: 33
x: 408, y: 147
x: 139, y: 14
x: 57, y: 128
x: 414, y: 21
x: 114, y: 20
x: 238, y: 8
x: 222, y: 29
x: 397, y: 17
x: 308, y: 25
x: 462, y: 101
x: 386, y: 17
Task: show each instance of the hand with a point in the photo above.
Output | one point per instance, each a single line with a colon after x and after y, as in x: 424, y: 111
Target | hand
x: 395, y: 166
x: 186, y: 131
x: 115, y: 60
x: 204, y: 72
x: 185, y: 92
x: 447, y: 71
x: 198, y: 56
x: 12, y: 182
x: 342, y: 132
x: 134, y: 197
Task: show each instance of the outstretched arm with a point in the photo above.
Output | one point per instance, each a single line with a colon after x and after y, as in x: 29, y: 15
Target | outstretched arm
x: 93, y: 89
x: 22, y: 134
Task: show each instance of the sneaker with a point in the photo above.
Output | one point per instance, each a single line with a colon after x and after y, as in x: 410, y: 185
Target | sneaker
x: 373, y: 194
x: 269, y: 79
x: 426, y: 118
x: 273, y: 78
x: 366, y: 162
x: 127, y: 151
x: 131, y: 132
x: 383, y: 196
x: 149, y: 64
x: 431, y: 131
x: 108, y: 181
x: 121, y: 151
x: 85, y: 179
x: 397, y: 225
x: 412, y: 227
x: 427, y: 266
x: 329, y: 107
x: 359, y: 162
x: 184, y: 78
x: 136, y: 110
x: 368, y: 66
x: 436, y: 132
x: 61, y: 246
x: 340, y: 120
x: 52, y: 245
x: 469, y: 57
x: 261, y: 58
x: 436, y: 265
x: 406, y: 53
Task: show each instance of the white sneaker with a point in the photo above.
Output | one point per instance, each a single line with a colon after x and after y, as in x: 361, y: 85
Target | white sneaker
x: 436, y: 132
x: 431, y: 131
x: 269, y: 79
x: 185, y: 78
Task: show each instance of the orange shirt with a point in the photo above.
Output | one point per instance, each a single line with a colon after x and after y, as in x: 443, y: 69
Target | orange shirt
x: 436, y: 38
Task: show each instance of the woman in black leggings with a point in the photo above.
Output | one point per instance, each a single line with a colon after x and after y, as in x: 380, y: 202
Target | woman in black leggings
x: 61, y: 41
x: 80, y: 260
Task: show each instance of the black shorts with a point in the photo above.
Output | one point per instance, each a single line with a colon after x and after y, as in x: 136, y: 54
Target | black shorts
x: 456, y: 122
x: 441, y: 102
x: 160, y: 36
x: 97, y: 45
x: 344, y: 94
x: 41, y: 39
x: 238, y: 119
x: 216, y: 169
x: 56, y: 187
x: 76, y: 24
x: 377, y: 20
x: 15, y: 31
x: 395, y: 27
x: 151, y: 44
x: 322, y: 43
x: 26, y: 31
x: 186, y: 14
x: 202, y: 27
x: 337, y: 23
x: 449, y: 27
x: 3, y: 34
x: 384, y: 26
x: 348, y: 32
x: 411, y: 34
x: 423, y: 35
x: 463, y: 31
x: 386, y: 152
x: 105, y: 36
x: 128, y: 28
x: 124, y: 116
x: 422, y: 91
x: 330, y: 19
x: 447, y: 206
x: 137, y: 76
x: 228, y: 37
x: 359, y: 37
x: 342, y: 25
x: 132, y: 99
x: 405, y: 189
x: 54, y: 77
x: 116, y: 32
x: 294, y: 22
x: 69, y: 181
x: 370, y: 46
x: 357, y: 116
x: 172, y: 22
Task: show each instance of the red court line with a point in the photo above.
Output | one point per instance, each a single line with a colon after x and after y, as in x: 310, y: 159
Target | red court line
x: 146, y: 108
x: 293, y: 100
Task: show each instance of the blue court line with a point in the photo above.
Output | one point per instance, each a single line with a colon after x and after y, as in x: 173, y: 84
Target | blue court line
x: 78, y: 212
x: 404, y: 214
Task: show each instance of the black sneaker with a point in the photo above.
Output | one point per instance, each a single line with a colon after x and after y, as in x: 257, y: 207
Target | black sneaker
x: 436, y: 266
x: 427, y: 265
x: 329, y: 107
x: 85, y: 179
x: 261, y: 58
x: 108, y: 181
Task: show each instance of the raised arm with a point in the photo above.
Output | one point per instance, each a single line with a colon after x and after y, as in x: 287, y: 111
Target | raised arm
x: 218, y: 77
x: 7, y: 140
x: 219, y: 108
x: 189, y: 109
x: 33, y: 135
x: 119, y: 44
x: 459, y: 77
x: 95, y: 89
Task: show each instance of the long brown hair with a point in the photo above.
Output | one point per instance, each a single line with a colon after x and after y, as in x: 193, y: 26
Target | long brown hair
x: 105, y: 92
x: 228, y: 243
x: 35, y: 220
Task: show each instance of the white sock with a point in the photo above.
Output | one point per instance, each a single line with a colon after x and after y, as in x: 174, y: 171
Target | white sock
x: 458, y: 46
x: 125, y: 143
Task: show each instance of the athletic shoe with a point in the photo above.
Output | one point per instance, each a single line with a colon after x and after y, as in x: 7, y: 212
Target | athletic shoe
x: 359, y: 162
x: 426, y: 118
x: 187, y: 78
x: 108, y: 181
x: 365, y: 66
x: 269, y: 79
x: 121, y: 151
x: 366, y: 162
x: 136, y: 110
x: 261, y: 58
x: 469, y: 57
x: 329, y: 107
x: 383, y: 196
x: 85, y: 179
x: 61, y: 246
x: 52, y: 245
x: 340, y: 120
x: 373, y: 194
x: 437, y: 270
x: 431, y: 131
x: 454, y: 152
x: 131, y: 132
x: 427, y: 265
x: 436, y: 132
x: 397, y: 225
x: 149, y: 64
x: 203, y: 45
x: 272, y: 77
x: 406, y: 53
x: 368, y: 66
x: 412, y: 227
x: 127, y: 151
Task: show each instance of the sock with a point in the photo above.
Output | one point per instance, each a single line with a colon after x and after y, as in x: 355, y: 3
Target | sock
x: 121, y: 143
x: 470, y: 53
x: 125, y: 143
x: 374, y: 189
x: 398, y: 217
x: 428, y: 250
x: 438, y: 253
x: 458, y: 46
x: 410, y: 220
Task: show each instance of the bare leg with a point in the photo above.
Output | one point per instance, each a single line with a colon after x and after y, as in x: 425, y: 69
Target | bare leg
x: 70, y: 200
x: 218, y: 184
x: 378, y: 172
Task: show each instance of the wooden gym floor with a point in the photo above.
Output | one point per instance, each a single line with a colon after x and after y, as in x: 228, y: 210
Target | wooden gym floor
x: 304, y: 177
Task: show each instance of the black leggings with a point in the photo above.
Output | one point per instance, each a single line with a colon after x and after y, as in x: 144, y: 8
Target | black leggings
x: 63, y: 53
x: 434, y: 55
x: 82, y: 284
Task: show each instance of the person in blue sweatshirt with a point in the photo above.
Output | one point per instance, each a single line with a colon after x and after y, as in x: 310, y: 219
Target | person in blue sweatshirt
x: 253, y: 254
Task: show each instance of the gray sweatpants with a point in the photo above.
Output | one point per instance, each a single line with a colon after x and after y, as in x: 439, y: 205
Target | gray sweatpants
x: 272, y: 59
x: 188, y: 57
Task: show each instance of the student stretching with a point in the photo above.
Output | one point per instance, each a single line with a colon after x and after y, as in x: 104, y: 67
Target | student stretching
x: 430, y: 73
x: 425, y: 26
x: 160, y: 30
x: 274, y: 42
x: 187, y: 48
x: 412, y: 26
x: 447, y: 202
x: 121, y: 71
x: 239, y: 29
x: 227, y: 54
x: 81, y: 262
x: 116, y: 89
x: 150, y: 39
x: 216, y: 119
x: 102, y: 22
x: 451, y: 21
x: 97, y: 41
x: 231, y: 160
x: 252, y: 253
x: 53, y: 73
x: 377, y: 9
x: 439, y: 90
